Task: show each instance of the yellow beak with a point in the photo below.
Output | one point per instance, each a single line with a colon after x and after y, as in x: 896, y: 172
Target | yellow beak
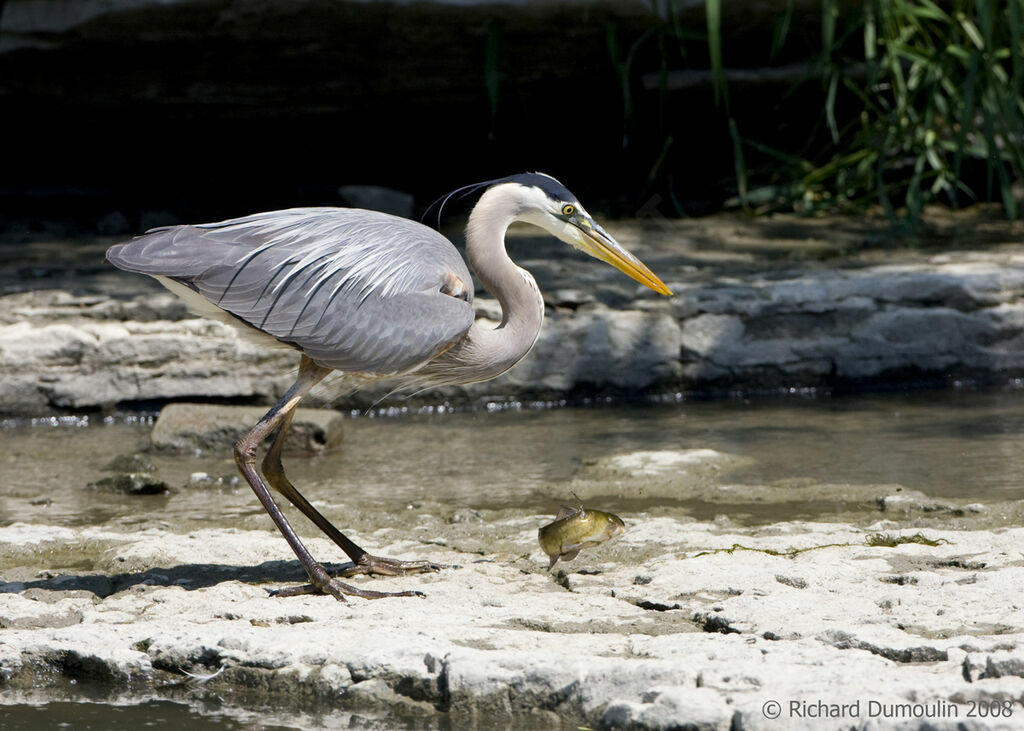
x: 595, y: 241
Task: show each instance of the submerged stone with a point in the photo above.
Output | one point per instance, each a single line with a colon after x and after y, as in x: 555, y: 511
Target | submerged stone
x: 193, y: 427
x: 132, y: 483
x: 129, y: 463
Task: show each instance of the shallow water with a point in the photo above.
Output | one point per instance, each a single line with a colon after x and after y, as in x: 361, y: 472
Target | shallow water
x: 948, y: 445
x: 99, y: 716
x: 158, y: 713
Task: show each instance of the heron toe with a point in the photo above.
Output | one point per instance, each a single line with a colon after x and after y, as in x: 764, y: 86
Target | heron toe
x: 339, y: 590
x: 382, y: 566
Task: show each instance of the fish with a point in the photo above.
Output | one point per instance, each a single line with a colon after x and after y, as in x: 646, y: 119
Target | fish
x: 576, y: 528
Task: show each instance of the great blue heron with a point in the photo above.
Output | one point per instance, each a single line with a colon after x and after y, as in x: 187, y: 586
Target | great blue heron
x: 375, y: 297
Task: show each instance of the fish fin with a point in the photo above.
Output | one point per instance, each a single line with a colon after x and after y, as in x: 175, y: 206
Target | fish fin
x: 554, y: 560
x: 570, y: 555
x: 566, y: 512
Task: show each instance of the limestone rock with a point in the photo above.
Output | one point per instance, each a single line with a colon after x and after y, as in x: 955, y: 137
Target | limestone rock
x: 202, y: 427
x: 132, y: 483
x: 666, y: 708
x: 950, y: 318
x: 597, y: 347
x: 85, y: 364
x: 502, y: 641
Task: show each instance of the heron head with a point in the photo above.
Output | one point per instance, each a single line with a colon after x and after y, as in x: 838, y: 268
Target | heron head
x: 546, y: 203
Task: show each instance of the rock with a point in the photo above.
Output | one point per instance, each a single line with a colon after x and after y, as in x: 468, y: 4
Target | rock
x: 694, y: 709
x: 129, y: 463
x: 83, y: 363
x: 667, y: 461
x: 203, y: 480
x: 568, y: 298
x: 205, y: 427
x: 1003, y: 664
x: 907, y: 502
x: 854, y: 324
x: 706, y: 640
x: 376, y: 693
x: 132, y: 483
x: 953, y: 317
x: 465, y: 515
x: 679, y: 473
x: 596, y: 347
x: 795, y: 581
x: 22, y: 612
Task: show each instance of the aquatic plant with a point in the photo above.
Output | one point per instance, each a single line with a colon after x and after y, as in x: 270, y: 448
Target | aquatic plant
x: 929, y: 91
x: 918, y: 103
x: 874, y: 540
x: 888, y: 540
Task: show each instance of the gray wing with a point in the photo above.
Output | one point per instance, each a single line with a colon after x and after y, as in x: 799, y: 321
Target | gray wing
x: 355, y: 290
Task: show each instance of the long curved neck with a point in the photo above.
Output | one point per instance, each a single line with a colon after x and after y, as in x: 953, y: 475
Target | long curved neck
x: 495, y: 350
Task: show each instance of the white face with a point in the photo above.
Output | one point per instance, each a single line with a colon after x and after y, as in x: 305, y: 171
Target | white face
x: 570, y: 222
x: 561, y: 219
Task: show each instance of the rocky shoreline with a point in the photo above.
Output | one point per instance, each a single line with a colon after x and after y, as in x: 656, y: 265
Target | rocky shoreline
x: 741, y: 320
x: 672, y: 625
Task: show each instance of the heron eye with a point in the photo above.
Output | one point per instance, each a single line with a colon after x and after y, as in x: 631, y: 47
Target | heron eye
x: 568, y: 209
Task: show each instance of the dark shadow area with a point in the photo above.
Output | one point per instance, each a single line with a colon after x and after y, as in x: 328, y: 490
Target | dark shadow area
x: 94, y: 714
x: 187, y: 576
x: 159, y: 112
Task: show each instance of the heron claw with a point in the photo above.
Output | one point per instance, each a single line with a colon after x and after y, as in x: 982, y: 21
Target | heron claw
x: 339, y: 590
x: 369, y: 565
x: 381, y: 566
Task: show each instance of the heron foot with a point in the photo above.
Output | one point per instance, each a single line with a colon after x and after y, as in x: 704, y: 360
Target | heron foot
x: 339, y: 590
x: 381, y: 566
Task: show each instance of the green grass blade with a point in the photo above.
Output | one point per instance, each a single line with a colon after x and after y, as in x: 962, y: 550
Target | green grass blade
x: 829, y: 14
x: 870, y: 33
x: 972, y: 31
x: 830, y: 106
x: 738, y: 160
x: 781, y: 30
x: 713, y: 12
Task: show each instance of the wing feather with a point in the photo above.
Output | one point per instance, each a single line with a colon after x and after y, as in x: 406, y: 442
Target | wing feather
x: 355, y: 290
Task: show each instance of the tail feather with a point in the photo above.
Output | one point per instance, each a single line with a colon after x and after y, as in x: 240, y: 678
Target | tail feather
x: 160, y: 252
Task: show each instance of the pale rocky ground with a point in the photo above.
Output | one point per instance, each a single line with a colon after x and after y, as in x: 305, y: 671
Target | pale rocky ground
x: 669, y: 626
x: 679, y: 623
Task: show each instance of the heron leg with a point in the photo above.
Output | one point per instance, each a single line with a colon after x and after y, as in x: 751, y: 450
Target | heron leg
x: 362, y: 562
x: 245, y: 457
